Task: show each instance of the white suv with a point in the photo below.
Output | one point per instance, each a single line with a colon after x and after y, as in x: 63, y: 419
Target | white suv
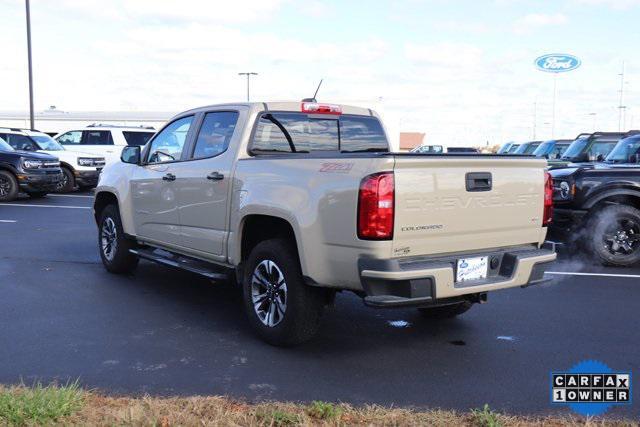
x: 79, y: 169
x: 104, y: 140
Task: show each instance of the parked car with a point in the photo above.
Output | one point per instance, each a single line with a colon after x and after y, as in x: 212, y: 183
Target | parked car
x: 78, y: 169
x: 104, y: 140
x: 33, y: 173
x: 599, y: 205
x: 429, y: 149
x: 527, y: 148
x: 552, y: 149
x: 589, y: 148
x: 300, y: 200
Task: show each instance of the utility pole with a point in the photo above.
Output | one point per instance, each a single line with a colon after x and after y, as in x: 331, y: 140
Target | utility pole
x: 31, y: 118
x: 248, y: 74
x: 621, y: 106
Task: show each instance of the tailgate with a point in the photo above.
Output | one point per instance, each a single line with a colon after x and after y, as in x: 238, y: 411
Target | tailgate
x: 438, y: 211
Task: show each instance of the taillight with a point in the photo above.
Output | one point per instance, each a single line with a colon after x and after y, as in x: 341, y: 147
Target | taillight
x: 316, y: 108
x: 548, y: 199
x: 375, y: 207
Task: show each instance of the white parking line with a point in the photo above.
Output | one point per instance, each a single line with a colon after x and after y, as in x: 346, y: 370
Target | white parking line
x: 70, y: 195
x: 8, y: 221
x: 45, y: 206
x: 568, y: 273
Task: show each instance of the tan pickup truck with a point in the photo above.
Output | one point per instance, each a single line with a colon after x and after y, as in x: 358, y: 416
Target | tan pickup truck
x: 299, y: 200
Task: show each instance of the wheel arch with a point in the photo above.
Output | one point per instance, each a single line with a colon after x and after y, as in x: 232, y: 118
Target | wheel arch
x: 101, y: 201
x: 626, y: 196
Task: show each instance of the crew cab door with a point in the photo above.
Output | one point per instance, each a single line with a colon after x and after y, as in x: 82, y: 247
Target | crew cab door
x: 204, y: 180
x: 153, y: 186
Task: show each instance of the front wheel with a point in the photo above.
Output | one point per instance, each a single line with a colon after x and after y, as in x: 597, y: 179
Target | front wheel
x: 281, y: 308
x: 614, y: 235
x: 113, y: 244
x: 8, y: 186
x: 67, y: 183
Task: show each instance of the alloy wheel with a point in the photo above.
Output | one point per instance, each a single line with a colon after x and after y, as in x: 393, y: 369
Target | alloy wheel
x: 5, y: 186
x: 108, y: 238
x: 269, y: 293
x: 623, y: 236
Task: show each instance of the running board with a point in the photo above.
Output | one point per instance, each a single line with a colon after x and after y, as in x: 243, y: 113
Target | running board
x: 182, y: 262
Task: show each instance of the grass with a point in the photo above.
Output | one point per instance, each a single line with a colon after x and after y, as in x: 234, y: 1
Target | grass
x: 69, y: 405
x: 39, y: 404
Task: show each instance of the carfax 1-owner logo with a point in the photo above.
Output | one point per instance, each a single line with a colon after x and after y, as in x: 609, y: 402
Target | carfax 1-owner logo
x: 591, y: 388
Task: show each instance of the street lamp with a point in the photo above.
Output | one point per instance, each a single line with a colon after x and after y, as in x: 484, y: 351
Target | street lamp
x: 31, y: 119
x: 248, y: 74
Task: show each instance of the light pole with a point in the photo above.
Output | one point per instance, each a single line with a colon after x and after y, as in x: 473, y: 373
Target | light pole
x: 31, y: 119
x: 248, y: 74
x: 621, y: 106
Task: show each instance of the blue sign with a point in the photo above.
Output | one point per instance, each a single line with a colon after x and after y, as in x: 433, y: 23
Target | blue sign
x: 557, y: 63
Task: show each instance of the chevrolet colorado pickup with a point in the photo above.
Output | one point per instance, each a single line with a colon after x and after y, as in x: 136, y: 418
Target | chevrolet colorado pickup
x: 598, y: 205
x: 297, y: 201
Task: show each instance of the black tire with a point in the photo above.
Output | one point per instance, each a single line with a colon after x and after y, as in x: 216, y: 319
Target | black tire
x: 303, y: 304
x: 613, y: 235
x: 68, y: 183
x: 445, y: 311
x: 114, y: 249
x: 8, y: 186
x: 37, y: 194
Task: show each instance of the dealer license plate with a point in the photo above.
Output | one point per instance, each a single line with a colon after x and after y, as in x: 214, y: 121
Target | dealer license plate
x: 471, y: 269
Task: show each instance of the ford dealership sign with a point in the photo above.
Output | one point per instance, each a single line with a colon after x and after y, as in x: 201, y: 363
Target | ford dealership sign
x: 557, y: 63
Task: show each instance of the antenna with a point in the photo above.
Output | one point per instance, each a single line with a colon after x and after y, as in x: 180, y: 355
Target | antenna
x: 314, y: 95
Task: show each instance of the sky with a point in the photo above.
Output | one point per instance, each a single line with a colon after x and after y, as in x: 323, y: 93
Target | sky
x: 460, y: 71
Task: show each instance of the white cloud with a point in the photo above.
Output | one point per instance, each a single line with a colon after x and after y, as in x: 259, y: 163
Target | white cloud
x: 534, y: 21
x: 443, y: 54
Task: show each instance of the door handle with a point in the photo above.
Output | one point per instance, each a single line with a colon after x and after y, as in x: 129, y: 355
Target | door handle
x: 215, y: 176
x: 479, y: 181
x: 169, y: 177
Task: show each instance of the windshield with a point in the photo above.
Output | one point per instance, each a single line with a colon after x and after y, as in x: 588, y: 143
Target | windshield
x: 513, y: 148
x: 551, y: 149
x: 45, y: 142
x: 4, y: 146
x: 624, y: 149
x: 504, y: 148
x: 575, y: 148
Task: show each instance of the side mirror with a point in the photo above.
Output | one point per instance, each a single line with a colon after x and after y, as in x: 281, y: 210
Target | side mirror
x: 131, y: 154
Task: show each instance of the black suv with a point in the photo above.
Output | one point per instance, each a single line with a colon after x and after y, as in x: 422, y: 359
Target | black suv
x: 598, y: 205
x: 34, y: 173
x: 589, y: 148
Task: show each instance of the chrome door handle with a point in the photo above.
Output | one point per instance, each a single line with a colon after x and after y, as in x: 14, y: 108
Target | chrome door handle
x: 215, y: 176
x: 169, y: 177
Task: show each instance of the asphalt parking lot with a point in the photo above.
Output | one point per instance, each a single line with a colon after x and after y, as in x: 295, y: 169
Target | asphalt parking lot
x: 168, y: 332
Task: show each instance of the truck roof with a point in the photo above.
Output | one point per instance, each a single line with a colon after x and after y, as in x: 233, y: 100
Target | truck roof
x: 285, y: 106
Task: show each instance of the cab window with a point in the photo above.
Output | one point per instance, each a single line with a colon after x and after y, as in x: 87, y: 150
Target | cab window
x: 215, y: 134
x: 167, y: 146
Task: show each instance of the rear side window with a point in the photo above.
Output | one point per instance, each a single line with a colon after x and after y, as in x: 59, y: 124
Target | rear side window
x: 302, y: 133
x: 215, y: 134
x: 137, y: 138
x: 359, y: 134
x: 295, y: 133
x: 97, y: 137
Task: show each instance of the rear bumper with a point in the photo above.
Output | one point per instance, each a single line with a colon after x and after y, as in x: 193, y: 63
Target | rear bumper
x: 30, y: 182
x: 424, y: 281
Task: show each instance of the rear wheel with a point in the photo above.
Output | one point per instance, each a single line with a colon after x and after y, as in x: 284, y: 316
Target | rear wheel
x: 445, y: 311
x: 113, y: 244
x: 68, y: 182
x: 8, y: 186
x: 614, y: 235
x: 281, y: 308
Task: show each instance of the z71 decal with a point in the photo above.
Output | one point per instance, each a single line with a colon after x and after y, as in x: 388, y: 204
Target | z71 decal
x: 336, y: 167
